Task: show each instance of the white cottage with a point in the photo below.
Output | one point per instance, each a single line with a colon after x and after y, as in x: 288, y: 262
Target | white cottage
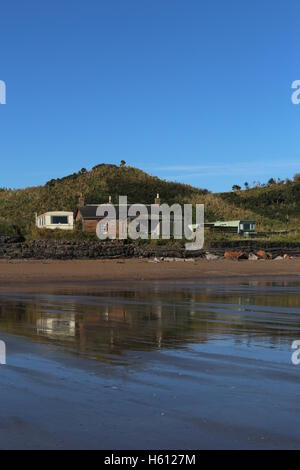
x: 55, y: 220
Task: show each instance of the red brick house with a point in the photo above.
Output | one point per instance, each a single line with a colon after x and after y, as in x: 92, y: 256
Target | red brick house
x: 87, y: 216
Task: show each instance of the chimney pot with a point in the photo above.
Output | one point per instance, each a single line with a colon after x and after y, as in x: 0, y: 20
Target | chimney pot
x: 81, y: 200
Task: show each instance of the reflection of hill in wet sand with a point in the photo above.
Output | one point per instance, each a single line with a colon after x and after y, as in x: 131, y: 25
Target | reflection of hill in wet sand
x: 115, y: 322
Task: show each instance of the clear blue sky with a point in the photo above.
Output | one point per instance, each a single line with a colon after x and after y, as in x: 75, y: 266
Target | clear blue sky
x: 197, y: 91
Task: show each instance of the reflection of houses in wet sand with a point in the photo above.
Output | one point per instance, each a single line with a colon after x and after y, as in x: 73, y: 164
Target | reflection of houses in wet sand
x: 107, y: 327
x: 53, y: 327
x: 121, y: 326
x: 116, y: 312
x: 104, y: 326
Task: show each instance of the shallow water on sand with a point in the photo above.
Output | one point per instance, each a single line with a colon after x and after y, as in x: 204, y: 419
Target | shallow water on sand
x: 157, y: 365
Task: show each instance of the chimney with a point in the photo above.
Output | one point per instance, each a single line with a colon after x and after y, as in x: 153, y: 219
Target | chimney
x: 157, y: 200
x: 81, y: 200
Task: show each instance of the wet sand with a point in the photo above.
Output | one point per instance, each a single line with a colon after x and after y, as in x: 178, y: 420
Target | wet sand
x: 200, y: 358
x: 170, y: 368
x: 51, y: 400
x: 38, y: 276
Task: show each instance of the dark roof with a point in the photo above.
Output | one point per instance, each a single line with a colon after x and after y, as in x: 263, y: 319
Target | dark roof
x: 89, y: 212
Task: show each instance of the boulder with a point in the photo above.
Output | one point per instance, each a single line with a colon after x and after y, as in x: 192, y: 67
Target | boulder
x: 262, y: 254
x: 234, y: 255
x: 211, y: 256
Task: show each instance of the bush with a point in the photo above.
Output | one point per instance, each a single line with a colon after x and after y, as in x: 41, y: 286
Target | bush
x: 35, y: 233
x: 8, y: 229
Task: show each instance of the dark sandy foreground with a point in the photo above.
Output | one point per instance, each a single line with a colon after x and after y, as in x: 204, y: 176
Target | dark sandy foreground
x: 42, y: 275
x: 167, y: 368
x: 53, y: 400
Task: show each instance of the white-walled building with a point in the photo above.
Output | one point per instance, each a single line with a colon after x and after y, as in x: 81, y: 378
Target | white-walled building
x: 55, y: 220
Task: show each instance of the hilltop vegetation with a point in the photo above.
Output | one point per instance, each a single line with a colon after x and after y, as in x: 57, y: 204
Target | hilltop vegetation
x: 19, y: 206
x: 276, y: 204
x: 269, y: 205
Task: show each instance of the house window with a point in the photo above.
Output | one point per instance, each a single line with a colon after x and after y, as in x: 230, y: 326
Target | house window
x: 59, y: 220
x: 247, y: 226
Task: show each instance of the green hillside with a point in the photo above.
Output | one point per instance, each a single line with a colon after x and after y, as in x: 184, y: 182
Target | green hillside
x: 276, y: 205
x: 19, y: 206
x: 269, y: 205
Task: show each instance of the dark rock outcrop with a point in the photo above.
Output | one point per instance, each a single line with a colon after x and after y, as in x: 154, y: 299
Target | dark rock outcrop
x: 62, y: 250
x: 17, y: 248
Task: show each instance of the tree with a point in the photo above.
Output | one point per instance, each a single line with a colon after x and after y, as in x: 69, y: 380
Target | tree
x: 236, y: 187
x: 271, y: 181
x: 123, y: 163
x: 246, y: 184
x: 297, y: 178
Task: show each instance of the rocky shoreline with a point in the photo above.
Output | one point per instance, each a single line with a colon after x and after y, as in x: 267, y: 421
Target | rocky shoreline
x: 17, y: 248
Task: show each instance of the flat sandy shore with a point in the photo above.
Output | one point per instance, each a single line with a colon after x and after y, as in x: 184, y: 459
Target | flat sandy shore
x: 33, y: 276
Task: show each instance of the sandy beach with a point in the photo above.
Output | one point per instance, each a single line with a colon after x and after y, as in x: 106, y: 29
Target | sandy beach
x: 36, y: 276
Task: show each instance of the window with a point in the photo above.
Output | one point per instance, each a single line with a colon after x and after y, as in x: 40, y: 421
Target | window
x: 247, y: 226
x: 59, y: 220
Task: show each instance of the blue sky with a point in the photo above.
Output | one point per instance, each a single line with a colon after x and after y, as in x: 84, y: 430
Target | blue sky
x: 193, y: 91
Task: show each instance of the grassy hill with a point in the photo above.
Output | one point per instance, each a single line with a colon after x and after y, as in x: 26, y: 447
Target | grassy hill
x: 19, y: 206
x: 275, y: 205
x: 268, y: 205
